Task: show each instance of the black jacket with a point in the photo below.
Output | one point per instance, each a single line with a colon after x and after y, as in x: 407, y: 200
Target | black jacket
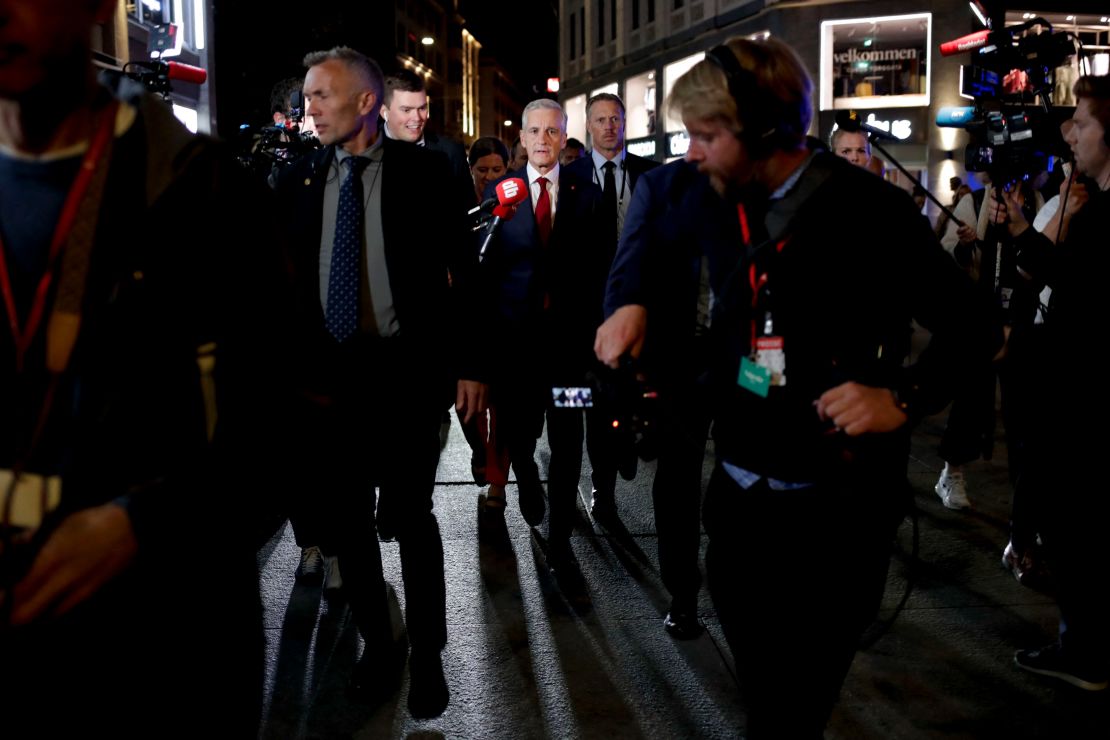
x: 425, y: 242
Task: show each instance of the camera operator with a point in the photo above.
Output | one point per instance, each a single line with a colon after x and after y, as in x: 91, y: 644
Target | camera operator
x: 138, y: 380
x: 987, y: 253
x: 1073, y: 523
x: 811, y: 471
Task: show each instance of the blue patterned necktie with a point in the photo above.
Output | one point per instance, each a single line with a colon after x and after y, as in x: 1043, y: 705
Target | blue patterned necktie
x: 343, y: 279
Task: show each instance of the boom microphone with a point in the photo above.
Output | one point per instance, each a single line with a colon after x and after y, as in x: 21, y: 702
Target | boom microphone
x: 849, y: 120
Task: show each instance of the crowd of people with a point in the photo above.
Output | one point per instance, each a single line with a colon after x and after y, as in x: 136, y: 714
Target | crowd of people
x: 154, y: 386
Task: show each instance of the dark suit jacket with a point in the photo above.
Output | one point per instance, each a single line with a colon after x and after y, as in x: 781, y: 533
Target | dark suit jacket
x: 634, y: 167
x: 674, y: 219
x: 425, y: 239
x: 570, y: 271
x: 460, y: 167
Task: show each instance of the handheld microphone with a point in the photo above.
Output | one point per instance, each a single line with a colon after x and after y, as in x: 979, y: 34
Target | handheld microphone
x: 955, y: 116
x: 849, y: 120
x: 509, y: 193
x: 970, y: 42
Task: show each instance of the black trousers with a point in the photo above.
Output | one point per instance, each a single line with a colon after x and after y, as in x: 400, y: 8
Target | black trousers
x: 795, y: 576
x: 565, y: 435
x: 524, y: 401
x: 676, y: 490
x: 380, y: 430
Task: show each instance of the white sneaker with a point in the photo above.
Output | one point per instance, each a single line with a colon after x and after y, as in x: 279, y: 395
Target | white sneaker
x: 952, y: 488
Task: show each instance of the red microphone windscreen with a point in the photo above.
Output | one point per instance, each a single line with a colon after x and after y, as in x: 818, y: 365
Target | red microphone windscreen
x: 511, y: 191
x: 504, y: 212
x: 186, y: 73
x: 965, y: 43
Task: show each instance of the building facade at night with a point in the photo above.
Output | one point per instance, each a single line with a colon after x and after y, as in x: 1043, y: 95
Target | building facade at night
x: 880, y: 58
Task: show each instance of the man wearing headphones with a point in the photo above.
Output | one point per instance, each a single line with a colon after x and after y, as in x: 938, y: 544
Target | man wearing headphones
x: 810, y: 397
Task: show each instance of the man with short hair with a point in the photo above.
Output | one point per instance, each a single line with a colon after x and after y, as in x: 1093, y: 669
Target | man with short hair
x: 518, y: 157
x: 405, y: 115
x: 810, y: 397
x: 573, y: 151
x: 614, y: 169
x: 382, y: 356
x: 547, y: 269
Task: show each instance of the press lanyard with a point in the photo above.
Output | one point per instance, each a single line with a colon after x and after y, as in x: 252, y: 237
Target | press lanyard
x: 22, y: 338
x: 757, y: 280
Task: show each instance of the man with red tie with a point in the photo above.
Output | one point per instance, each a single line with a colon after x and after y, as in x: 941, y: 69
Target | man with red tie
x: 547, y: 271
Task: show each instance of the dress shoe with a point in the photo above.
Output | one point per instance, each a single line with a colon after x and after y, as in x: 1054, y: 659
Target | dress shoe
x: 603, y: 507
x: 682, y: 625
x: 377, y: 675
x: 531, y: 500
x: 560, y: 558
x: 428, y: 694
x: 310, y: 571
x: 478, y: 468
x: 492, y: 502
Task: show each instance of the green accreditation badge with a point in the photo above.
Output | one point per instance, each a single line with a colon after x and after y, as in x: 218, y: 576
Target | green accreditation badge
x: 754, y: 378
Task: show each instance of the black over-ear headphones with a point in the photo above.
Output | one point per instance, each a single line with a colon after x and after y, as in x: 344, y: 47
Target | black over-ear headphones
x: 764, y: 118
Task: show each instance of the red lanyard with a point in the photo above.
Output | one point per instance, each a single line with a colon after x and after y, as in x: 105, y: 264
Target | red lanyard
x: 23, y: 337
x: 756, y: 281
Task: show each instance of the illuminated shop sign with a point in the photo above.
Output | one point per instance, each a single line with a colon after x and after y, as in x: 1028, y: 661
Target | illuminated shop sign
x: 642, y: 148
x: 876, y: 62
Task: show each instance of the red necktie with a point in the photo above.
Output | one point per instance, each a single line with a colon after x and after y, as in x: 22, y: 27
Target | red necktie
x: 543, y: 212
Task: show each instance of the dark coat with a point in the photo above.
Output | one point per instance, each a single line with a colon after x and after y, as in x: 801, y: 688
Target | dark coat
x: 425, y: 242
x: 569, y: 273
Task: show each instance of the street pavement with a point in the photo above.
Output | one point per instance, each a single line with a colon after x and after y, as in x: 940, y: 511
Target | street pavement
x: 529, y: 656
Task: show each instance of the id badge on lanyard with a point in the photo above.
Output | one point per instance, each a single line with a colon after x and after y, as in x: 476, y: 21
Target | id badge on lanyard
x: 765, y: 365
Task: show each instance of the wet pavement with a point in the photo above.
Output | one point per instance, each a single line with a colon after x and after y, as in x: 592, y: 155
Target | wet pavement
x: 532, y: 656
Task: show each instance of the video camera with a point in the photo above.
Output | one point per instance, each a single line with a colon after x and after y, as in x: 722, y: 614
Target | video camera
x: 628, y: 404
x: 264, y: 148
x: 156, y: 76
x: 1013, y: 125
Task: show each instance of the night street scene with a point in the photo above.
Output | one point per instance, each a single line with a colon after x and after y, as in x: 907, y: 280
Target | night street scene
x: 576, y: 369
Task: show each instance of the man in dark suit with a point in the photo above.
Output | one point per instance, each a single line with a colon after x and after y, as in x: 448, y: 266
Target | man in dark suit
x: 605, y: 122
x: 547, y: 271
x: 377, y: 320
x: 659, y: 265
x: 405, y: 113
x: 616, y: 172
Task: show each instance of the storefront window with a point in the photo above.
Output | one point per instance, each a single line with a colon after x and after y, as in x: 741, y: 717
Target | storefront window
x: 672, y: 72
x: 576, y: 117
x: 876, y: 62
x: 611, y: 88
x: 639, y: 103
